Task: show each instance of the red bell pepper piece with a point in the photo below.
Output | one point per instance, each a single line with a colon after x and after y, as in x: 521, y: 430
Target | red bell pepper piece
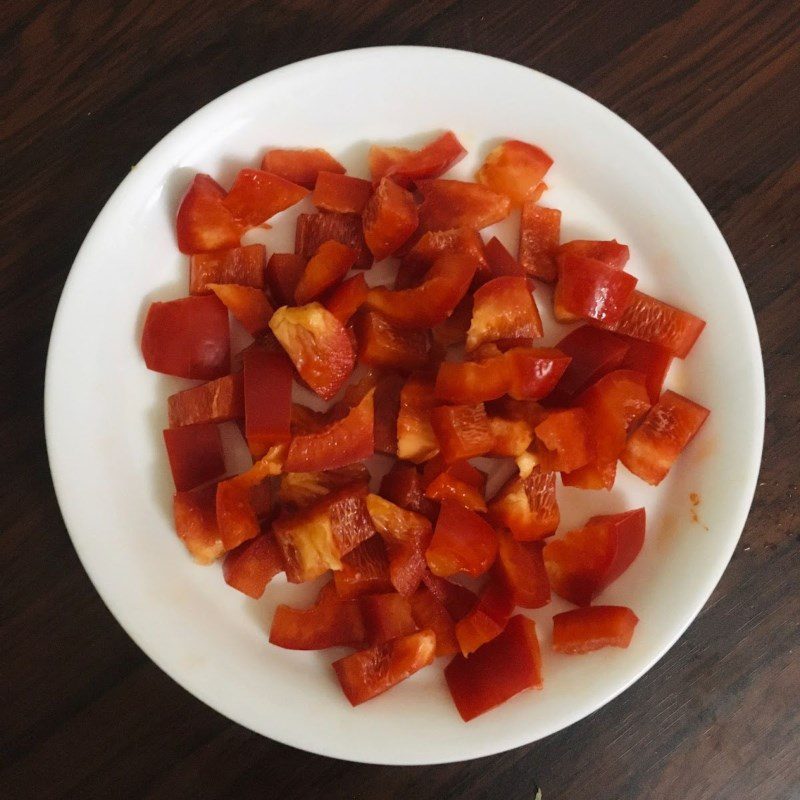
x: 188, y: 338
x: 314, y: 229
x: 247, y: 304
x: 383, y: 344
x: 432, y: 245
x: 257, y: 195
x: 497, y: 671
x: 448, y: 486
x: 300, y: 166
x: 503, y: 310
x: 243, y: 266
x: 195, y: 515
x: 585, y: 629
x: 431, y: 161
x: 462, y: 542
x: 462, y: 470
x: 325, y: 269
x: 215, y: 401
x: 318, y: 345
x: 472, y: 382
x: 387, y: 406
x: 331, y: 622
x: 501, y: 263
x: 659, y: 323
x: 534, y: 371
x: 539, y: 234
x: 432, y: 301
x: 462, y: 431
x: 302, y: 489
x: 594, y: 353
x: 458, y: 204
x: 652, y: 360
x: 520, y: 567
x: 267, y: 399
x: 453, y: 330
x: 668, y: 427
x: 252, y: 565
x: 386, y: 616
x: 345, y: 441
x: 416, y: 440
x: 381, y: 158
x: 368, y: 673
x: 341, y: 193
x: 514, y: 169
x: 585, y: 561
x: 487, y: 619
x: 588, y: 289
x: 429, y: 613
x: 406, y: 535
x: 365, y: 570
x: 316, y: 538
x: 527, y: 506
x: 347, y: 298
x: 390, y: 217
x: 510, y: 437
x: 612, y: 253
x: 283, y: 273
x: 565, y: 441
x: 203, y: 222
x: 237, y: 516
x: 457, y: 599
x: 402, y: 485
x: 195, y: 454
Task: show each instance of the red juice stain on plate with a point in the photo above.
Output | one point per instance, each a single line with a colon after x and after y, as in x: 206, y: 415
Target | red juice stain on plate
x: 694, y: 499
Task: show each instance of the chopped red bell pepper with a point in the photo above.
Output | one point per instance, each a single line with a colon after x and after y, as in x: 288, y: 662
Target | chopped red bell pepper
x: 316, y: 538
x: 652, y: 360
x: 539, y: 234
x: 345, y: 441
x: 462, y: 431
x: 433, y: 300
x: 430, y: 613
x: 589, y: 289
x: 585, y: 561
x: 501, y: 262
x: 431, y: 161
x: 237, y: 515
x: 406, y: 535
x: 583, y: 630
x: 341, y: 193
x: 195, y: 454
x: 347, y: 298
x: 203, y: 222
x: 314, y: 229
x: 386, y: 616
x: 457, y: 204
x: 520, y: 566
x: 318, y: 345
x: 381, y: 158
x: 449, y: 486
x: 497, y: 671
x: 472, y: 382
x: 267, y: 399
x: 527, y: 506
x: 365, y: 570
x: 453, y: 330
x: 487, y: 619
x: 247, y: 304
x: 462, y: 542
x: 659, y: 323
x: 594, y: 353
x: 383, y: 344
x: 188, y: 338
x: 368, y: 673
x: 195, y: 515
x: 668, y: 427
x: 461, y: 241
x: 565, y: 440
x: 534, y: 371
x: 462, y: 470
x: 457, y: 599
x: 331, y: 622
x: 283, y: 273
x: 402, y: 485
x: 514, y: 169
x: 390, y: 217
x: 416, y: 440
x: 252, y: 565
x: 240, y: 265
x: 325, y: 269
x: 300, y: 166
x: 503, y: 310
x: 612, y: 253
x: 387, y: 388
x: 257, y: 195
x: 510, y: 437
x: 215, y: 401
x: 302, y: 489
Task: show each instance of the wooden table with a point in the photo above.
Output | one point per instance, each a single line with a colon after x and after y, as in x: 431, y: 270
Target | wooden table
x: 89, y: 88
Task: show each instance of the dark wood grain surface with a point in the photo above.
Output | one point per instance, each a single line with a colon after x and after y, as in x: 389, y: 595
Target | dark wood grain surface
x: 89, y: 87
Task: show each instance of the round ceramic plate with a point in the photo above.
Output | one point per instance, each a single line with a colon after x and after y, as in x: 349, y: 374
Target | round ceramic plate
x: 105, y: 411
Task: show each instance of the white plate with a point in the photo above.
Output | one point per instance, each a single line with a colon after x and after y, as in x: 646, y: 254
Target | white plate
x: 105, y: 411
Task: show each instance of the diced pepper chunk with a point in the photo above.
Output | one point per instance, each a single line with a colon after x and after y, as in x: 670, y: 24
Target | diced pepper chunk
x: 188, y: 338
x: 462, y: 431
x: 450, y: 204
x: 539, y: 234
x: 387, y: 387
x: 520, y: 566
x: 365, y: 570
x: 527, y: 506
x: 514, y: 169
x: 457, y: 599
x: 472, y: 382
x: 383, y: 344
x: 284, y: 271
x: 314, y: 229
x: 487, y: 619
x: 195, y: 515
x: 243, y: 266
x: 347, y: 298
x: 300, y: 166
x: 317, y: 344
x: 237, y: 516
x: 459, y: 241
x: 386, y: 616
x: 652, y: 360
x: 450, y: 486
x: 368, y: 673
x: 585, y: 561
x: 497, y: 671
x: 462, y: 542
x: 267, y: 399
x: 215, y: 401
x: 534, y: 371
x: 583, y: 630
x: 301, y: 489
x: 390, y: 217
x: 453, y: 330
x: 668, y: 427
x: 204, y: 223
x: 428, y: 612
x: 257, y: 195
x: 248, y: 305
x: 565, y: 440
x: 341, y: 193
x: 510, y: 437
x: 416, y: 440
x: 430, y: 161
x: 501, y: 262
x: 503, y: 310
x: 381, y: 158
x: 402, y: 485
x: 195, y: 454
x: 252, y: 565
x: 325, y: 269
x: 611, y: 253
